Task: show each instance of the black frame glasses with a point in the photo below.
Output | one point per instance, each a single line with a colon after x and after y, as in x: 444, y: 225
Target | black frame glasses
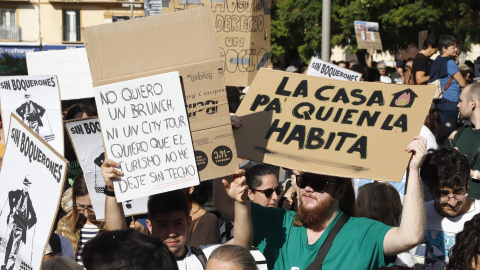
x: 317, y: 184
x: 445, y: 198
x: 82, y: 208
x: 268, y: 192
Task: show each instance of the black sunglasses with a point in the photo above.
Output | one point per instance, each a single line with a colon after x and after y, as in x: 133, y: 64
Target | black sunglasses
x: 269, y: 191
x: 317, y: 184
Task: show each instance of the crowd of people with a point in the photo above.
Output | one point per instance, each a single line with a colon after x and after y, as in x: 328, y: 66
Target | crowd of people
x: 266, y: 217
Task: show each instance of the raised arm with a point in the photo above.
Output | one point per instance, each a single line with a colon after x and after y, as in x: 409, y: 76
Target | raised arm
x: 221, y: 201
x: 412, y: 226
x: 243, y: 226
x: 114, y: 215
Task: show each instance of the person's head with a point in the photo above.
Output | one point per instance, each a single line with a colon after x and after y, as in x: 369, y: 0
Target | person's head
x: 60, y: 263
x: 169, y: 218
x: 445, y: 172
x: 320, y: 196
x: 466, y: 251
x: 78, y: 110
x: 262, y: 185
x: 447, y: 46
x: 26, y: 184
x: 379, y: 201
x: 82, y: 211
x: 469, y: 100
x: 343, y: 64
x: 200, y: 194
x: 408, y: 65
x: 382, y: 68
x: 126, y: 250
x: 231, y: 257
x: 430, y: 46
x: 27, y: 98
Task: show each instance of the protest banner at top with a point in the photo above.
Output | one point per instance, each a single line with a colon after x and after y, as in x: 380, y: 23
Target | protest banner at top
x: 329, y: 126
x: 368, y: 35
x: 324, y: 69
x: 138, y: 48
x: 31, y: 185
x: 36, y: 101
x: 145, y: 129
x: 87, y: 142
x: 243, y: 31
x: 70, y: 67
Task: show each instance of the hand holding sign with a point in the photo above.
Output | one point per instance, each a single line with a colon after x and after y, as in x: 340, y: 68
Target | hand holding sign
x: 237, y: 189
x: 110, y: 173
x: 418, y: 148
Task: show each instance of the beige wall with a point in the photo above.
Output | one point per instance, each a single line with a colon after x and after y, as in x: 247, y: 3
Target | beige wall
x: 27, y: 19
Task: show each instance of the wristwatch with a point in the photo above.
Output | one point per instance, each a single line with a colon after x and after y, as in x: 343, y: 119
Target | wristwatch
x: 108, y: 192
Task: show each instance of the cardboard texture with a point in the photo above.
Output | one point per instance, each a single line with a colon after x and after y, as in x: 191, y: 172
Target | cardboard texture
x: 323, y: 69
x: 71, y: 68
x: 243, y: 30
x: 331, y: 127
x: 31, y: 185
x: 184, y: 42
x: 368, y: 36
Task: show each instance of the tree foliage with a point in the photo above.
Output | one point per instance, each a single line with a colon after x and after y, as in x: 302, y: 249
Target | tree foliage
x: 296, y: 24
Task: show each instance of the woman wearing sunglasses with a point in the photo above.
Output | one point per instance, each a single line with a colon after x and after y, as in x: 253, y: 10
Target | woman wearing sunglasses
x: 263, y: 186
x: 80, y: 224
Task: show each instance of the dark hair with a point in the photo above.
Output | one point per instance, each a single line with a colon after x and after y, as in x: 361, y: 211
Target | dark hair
x: 467, y: 245
x: 379, y: 201
x: 233, y: 97
x: 167, y: 202
x: 77, y: 108
x: 255, y: 173
x: 445, y: 42
x: 431, y: 40
x: 445, y: 167
x: 202, y: 192
x: 347, y: 201
x: 127, y: 250
x: 433, y: 121
x: 235, y: 254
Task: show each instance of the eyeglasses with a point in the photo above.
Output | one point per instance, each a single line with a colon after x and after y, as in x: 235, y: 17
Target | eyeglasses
x: 446, y: 198
x: 381, y: 68
x: 316, y: 184
x: 82, y: 208
x: 269, y: 191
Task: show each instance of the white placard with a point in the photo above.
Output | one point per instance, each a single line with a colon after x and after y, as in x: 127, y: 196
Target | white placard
x: 324, y: 69
x: 31, y: 184
x: 88, y: 144
x: 145, y: 128
x: 71, y: 67
x: 36, y: 101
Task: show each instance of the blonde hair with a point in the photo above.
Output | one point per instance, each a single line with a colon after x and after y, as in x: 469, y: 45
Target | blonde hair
x: 379, y: 201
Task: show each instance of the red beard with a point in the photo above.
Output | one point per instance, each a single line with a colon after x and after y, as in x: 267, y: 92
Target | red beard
x: 313, y: 218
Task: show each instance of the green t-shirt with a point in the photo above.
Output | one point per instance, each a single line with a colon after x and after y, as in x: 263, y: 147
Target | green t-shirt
x: 468, y: 144
x: 359, y: 245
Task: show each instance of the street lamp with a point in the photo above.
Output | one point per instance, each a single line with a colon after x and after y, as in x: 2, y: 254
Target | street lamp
x: 131, y: 5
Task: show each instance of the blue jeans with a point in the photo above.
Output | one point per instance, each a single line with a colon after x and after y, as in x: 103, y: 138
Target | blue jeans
x: 448, y: 112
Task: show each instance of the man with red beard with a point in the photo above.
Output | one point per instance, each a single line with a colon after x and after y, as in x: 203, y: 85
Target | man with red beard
x: 291, y: 241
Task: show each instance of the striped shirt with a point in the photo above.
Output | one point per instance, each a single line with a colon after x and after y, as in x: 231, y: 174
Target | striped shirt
x: 88, y: 232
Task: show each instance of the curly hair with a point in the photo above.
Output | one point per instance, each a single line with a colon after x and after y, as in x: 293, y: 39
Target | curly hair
x: 445, y: 167
x: 467, y: 246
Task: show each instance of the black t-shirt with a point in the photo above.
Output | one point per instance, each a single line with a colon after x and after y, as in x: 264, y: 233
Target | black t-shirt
x: 421, y: 63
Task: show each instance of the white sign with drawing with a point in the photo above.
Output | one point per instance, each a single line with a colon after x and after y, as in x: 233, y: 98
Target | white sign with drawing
x: 31, y: 184
x: 145, y: 129
x: 88, y: 144
x: 36, y: 101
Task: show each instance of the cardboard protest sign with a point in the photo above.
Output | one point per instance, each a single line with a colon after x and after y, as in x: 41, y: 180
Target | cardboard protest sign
x: 243, y: 30
x: 71, y: 68
x: 145, y: 129
x: 329, y: 126
x: 324, y: 69
x: 368, y: 35
x: 36, y: 101
x: 31, y: 184
x: 87, y: 141
x: 141, y: 46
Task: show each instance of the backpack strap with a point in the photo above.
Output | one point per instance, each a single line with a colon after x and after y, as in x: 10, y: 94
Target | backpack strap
x: 200, y: 256
x: 323, y: 251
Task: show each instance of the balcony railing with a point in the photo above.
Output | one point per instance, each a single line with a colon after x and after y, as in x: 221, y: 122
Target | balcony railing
x: 10, y: 33
x: 71, y: 34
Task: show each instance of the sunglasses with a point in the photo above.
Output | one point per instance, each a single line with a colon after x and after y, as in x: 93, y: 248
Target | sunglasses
x: 382, y: 68
x: 317, y: 184
x: 269, y: 191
